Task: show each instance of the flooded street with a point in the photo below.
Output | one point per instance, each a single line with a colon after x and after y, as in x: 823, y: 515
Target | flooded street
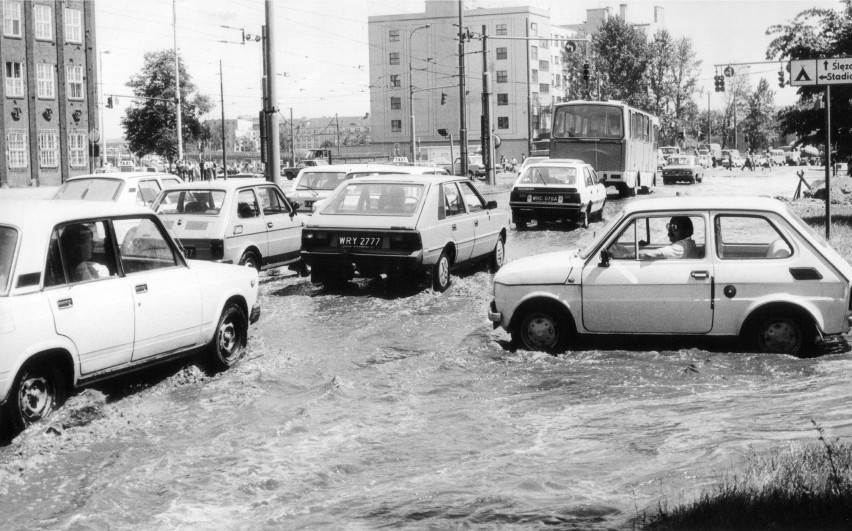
x: 366, y: 407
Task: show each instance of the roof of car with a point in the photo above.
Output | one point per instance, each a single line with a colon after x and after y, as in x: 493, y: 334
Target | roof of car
x: 332, y: 167
x: 219, y: 184
x: 392, y: 168
x: 38, y: 212
x: 418, y: 178
x: 122, y: 175
x: 753, y: 203
x: 559, y: 162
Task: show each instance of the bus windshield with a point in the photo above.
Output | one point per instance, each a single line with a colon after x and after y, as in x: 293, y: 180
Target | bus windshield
x: 588, y: 120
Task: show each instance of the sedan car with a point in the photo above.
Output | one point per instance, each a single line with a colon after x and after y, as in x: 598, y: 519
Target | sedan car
x: 241, y: 221
x: 90, y: 291
x: 751, y: 269
x: 682, y: 168
x: 314, y: 184
x: 403, y: 226
x: 135, y: 188
x: 557, y: 189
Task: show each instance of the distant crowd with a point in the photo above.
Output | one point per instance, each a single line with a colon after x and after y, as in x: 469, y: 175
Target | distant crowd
x: 207, y: 170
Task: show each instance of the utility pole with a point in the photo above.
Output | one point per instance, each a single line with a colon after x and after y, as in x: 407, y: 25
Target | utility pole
x: 487, y: 144
x: 709, y: 124
x: 337, y: 128
x: 411, y: 88
x: 273, y: 166
x: 177, y: 83
x: 827, y: 162
x: 292, y: 141
x: 462, y: 120
x: 222, y: 103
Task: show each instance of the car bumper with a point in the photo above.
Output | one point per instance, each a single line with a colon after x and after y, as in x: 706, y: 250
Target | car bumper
x: 255, y: 313
x: 365, y: 264
x: 493, y: 315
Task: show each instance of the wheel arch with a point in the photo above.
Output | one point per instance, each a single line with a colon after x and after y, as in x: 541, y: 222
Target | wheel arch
x: 254, y: 250
x: 759, y: 311
x: 60, y: 356
x: 542, y: 299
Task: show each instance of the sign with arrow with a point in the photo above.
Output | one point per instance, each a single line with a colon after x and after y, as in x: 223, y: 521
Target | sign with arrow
x: 827, y: 71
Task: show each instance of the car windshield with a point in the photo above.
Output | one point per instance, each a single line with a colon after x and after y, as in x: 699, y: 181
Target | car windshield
x: 375, y: 199
x: 321, y: 180
x: 587, y: 248
x: 198, y: 202
x: 549, y: 175
x: 675, y: 160
x: 90, y: 189
x: 8, y: 241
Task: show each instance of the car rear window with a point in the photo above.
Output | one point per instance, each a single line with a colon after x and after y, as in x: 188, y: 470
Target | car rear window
x: 545, y: 175
x: 90, y: 189
x: 196, y: 202
x: 320, y: 180
x: 375, y: 199
x: 8, y: 242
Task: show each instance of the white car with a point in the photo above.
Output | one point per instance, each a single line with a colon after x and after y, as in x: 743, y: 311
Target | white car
x: 92, y: 290
x: 403, y: 226
x: 315, y: 183
x: 137, y: 188
x: 234, y: 221
x: 754, y: 270
x: 557, y: 189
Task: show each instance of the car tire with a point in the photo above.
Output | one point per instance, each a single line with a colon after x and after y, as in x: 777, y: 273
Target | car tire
x: 583, y: 217
x: 38, y: 390
x: 541, y: 328
x: 229, y: 339
x: 601, y: 211
x: 520, y: 221
x: 498, y: 256
x: 250, y: 259
x: 441, y: 273
x: 783, y: 333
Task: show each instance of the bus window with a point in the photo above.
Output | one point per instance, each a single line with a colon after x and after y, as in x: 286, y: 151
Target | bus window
x: 593, y: 121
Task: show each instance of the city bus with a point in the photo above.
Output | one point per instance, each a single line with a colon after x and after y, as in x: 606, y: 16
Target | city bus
x: 619, y: 141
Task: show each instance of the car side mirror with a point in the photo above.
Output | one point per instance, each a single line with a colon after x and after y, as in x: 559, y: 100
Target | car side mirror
x: 295, y: 205
x: 491, y: 205
x: 604, y: 259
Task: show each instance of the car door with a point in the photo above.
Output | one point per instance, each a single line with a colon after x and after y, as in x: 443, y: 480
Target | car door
x: 147, y: 192
x: 249, y: 228
x: 593, y: 188
x: 166, y: 293
x: 485, y: 229
x: 283, y: 225
x: 92, y: 304
x: 661, y: 296
x: 455, y: 222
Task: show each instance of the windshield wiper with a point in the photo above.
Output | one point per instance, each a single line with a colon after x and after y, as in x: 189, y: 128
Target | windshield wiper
x: 540, y: 176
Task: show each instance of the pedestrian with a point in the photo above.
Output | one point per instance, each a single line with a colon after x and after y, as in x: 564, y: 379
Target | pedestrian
x: 202, y: 166
x: 502, y: 162
x: 514, y: 163
x: 523, y: 158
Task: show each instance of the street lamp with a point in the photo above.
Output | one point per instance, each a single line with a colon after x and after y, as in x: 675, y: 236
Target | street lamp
x: 411, y: 88
x: 103, y: 104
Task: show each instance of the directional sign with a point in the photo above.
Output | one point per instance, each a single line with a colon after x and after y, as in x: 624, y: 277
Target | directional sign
x: 827, y: 71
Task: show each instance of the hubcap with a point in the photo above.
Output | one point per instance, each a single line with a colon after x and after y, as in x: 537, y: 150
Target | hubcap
x: 444, y: 271
x: 540, y: 332
x: 498, y: 253
x: 35, y: 398
x: 227, y: 339
x: 781, y: 336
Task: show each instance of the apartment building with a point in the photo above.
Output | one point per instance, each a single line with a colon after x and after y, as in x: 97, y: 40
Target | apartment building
x: 49, y: 106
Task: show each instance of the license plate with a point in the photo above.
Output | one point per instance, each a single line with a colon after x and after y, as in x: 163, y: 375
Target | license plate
x: 544, y: 198
x: 189, y: 252
x: 361, y: 242
x: 309, y: 204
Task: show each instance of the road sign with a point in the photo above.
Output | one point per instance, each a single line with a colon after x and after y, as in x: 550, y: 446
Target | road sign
x: 94, y: 135
x: 729, y: 71
x: 570, y: 47
x: 803, y: 72
x: 827, y: 71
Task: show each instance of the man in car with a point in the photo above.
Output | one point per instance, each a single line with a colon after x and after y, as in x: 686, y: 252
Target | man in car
x: 78, y: 246
x: 680, y: 235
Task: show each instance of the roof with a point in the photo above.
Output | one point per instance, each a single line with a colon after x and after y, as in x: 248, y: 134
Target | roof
x: 706, y: 203
x: 394, y: 168
x: 120, y: 175
x: 415, y: 178
x: 50, y: 212
x: 332, y: 167
x: 559, y: 163
x: 219, y: 184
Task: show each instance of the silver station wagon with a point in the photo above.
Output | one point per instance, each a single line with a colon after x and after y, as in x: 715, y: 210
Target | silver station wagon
x: 746, y: 267
x: 403, y: 226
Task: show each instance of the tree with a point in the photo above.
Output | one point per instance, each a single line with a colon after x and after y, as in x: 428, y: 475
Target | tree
x: 150, y: 123
x: 816, y: 33
x: 759, y: 120
x: 736, y: 94
x: 621, y: 57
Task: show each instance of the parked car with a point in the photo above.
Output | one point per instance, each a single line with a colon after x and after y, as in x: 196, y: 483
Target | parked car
x: 756, y: 271
x: 777, y: 157
x: 139, y: 188
x: 682, y: 168
x: 732, y: 159
x: 705, y: 160
x: 92, y: 290
x: 292, y: 171
x: 242, y: 221
x: 403, y: 226
x: 475, y: 167
x: 557, y: 189
x: 315, y: 184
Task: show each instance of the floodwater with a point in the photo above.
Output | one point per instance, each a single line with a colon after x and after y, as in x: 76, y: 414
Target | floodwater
x: 364, y: 408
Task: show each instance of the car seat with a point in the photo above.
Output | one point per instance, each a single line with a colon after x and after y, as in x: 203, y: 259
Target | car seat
x: 195, y: 207
x: 778, y: 249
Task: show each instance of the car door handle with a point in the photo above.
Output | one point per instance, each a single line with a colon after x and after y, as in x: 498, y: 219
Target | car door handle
x: 454, y: 226
x: 142, y: 288
x: 63, y: 304
x: 269, y: 224
x: 476, y: 223
x: 700, y: 275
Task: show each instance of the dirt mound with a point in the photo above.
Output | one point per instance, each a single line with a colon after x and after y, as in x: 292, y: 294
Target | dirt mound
x: 841, y: 190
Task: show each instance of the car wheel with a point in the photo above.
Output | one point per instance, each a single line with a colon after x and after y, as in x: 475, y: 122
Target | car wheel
x: 784, y: 333
x: 441, y: 273
x: 583, y: 217
x: 497, y: 256
x: 229, y: 340
x: 250, y: 259
x: 38, y: 390
x: 520, y: 221
x: 541, y: 329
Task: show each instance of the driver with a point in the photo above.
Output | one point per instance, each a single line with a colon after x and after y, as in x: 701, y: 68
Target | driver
x: 680, y: 235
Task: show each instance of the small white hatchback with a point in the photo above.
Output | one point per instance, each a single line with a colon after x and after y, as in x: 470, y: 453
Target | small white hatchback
x: 136, y: 188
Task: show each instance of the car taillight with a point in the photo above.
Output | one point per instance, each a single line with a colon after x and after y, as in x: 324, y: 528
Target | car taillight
x: 405, y: 241
x: 217, y: 249
x: 312, y: 239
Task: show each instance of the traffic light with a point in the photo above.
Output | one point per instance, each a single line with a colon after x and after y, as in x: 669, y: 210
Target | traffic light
x: 781, y: 81
x: 719, y: 82
x: 585, y: 71
x: 109, y: 102
x: 443, y: 98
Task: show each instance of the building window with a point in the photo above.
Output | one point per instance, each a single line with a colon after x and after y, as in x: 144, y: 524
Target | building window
x: 393, y: 35
x: 544, y: 88
x: 14, y: 80
x: 396, y: 104
x: 502, y: 99
x: 502, y: 53
x: 533, y: 29
x: 44, y: 76
x: 395, y: 81
x: 16, y: 149
x: 502, y: 122
x: 48, y: 149
x: 543, y: 65
x: 502, y: 29
x: 502, y: 76
x: 534, y: 53
x: 534, y: 77
x: 74, y: 26
x: 11, y: 19
x: 75, y: 82
x: 43, y: 26
x: 77, y: 149
x: 396, y: 126
x: 556, y: 80
x: 543, y: 43
x: 394, y: 58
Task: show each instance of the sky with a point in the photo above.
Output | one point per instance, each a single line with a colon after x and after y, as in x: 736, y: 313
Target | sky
x: 322, y: 45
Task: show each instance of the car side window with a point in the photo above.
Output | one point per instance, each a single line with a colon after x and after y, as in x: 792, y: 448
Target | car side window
x: 661, y: 237
x: 748, y: 238
x: 624, y: 247
x: 247, y: 206
x: 589, y: 181
x: 272, y: 201
x: 452, y: 200
x: 472, y: 199
x: 79, y: 252
x: 143, y: 246
x: 147, y: 192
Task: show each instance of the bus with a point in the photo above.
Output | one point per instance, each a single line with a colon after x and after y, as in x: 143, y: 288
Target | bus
x: 619, y: 141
